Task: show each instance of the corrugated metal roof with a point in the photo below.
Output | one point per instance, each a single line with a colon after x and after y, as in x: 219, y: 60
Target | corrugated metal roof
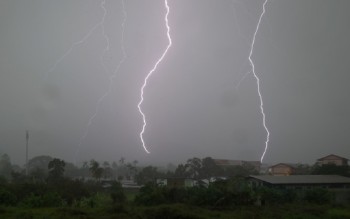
x: 332, y: 155
x: 292, y: 165
x: 303, y: 179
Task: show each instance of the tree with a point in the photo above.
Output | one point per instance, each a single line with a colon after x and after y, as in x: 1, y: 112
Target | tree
x: 181, y: 171
x: 147, y: 174
x: 38, y: 174
x: 210, y: 169
x: 243, y: 170
x: 194, y: 167
x: 56, y: 169
x: 302, y: 169
x: 117, y: 193
x: 114, y: 165
x: 331, y: 169
x: 95, y: 170
x: 318, y: 196
x: 84, y: 169
x: 122, y: 169
x: 18, y: 177
x: 132, y: 170
x: 70, y: 170
x: 107, y: 170
x: 151, y: 194
x: 37, y: 166
x: 121, y: 161
x: 7, y: 198
x: 5, y: 166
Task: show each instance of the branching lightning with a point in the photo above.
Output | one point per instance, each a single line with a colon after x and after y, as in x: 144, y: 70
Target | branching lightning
x: 77, y: 43
x: 258, y: 81
x: 242, y: 79
x: 113, y: 75
x: 150, y: 73
x: 101, y: 25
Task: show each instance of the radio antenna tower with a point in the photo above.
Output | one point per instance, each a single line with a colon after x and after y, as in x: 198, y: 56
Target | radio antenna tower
x: 27, y: 140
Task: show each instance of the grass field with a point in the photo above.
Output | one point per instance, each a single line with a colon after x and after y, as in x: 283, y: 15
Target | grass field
x: 180, y: 211
x: 100, y: 205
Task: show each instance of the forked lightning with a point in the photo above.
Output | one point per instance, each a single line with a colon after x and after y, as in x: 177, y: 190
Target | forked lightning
x: 150, y: 73
x: 258, y: 82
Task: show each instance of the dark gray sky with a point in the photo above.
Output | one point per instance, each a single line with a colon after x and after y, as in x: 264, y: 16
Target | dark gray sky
x: 192, y: 102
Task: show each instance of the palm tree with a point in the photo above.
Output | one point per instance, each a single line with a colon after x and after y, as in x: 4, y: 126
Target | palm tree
x: 107, y: 170
x: 96, y: 170
x: 56, y: 168
x: 180, y: 171
x: 194, y: 167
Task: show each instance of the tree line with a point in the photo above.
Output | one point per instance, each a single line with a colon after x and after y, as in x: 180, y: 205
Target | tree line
x: 43, y: 168
x: 61, y: 184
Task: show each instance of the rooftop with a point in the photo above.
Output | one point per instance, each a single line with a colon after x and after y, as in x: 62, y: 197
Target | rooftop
x: 332, y: 156
x: 302, y: 179
x: 292, y: 165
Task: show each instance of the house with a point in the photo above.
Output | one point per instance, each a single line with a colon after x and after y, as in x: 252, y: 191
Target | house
x: 338, y: 185
x: 229, y: 163
x: 129, y: 184
x: 300, y: 181
x: 332, y: 159
x: 286, y: 169
x: 176, y: 182
x: 282, y: 169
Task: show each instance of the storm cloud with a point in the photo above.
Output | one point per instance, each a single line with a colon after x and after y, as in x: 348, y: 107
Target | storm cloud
x: 199, y: 102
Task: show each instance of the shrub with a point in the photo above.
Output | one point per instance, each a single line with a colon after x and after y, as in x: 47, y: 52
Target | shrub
x: 117, y: 193
x: 278, y: 196
x: 32, y: 201
x: 7, y: 198
x: 86, y: 202
x: 22, y: 191
x: 170, y: 212
x: 69, y: 213
x: 24, y: 215
x: 50, y: 199
x: 198, y: 196
x: 3, y: 180
x: 318, y: 196
x: 150, y: 194
x: 71, y: 191
x: 176, y: 195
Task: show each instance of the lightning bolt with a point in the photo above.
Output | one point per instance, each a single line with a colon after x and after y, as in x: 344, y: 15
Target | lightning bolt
x: 258, y: 81
x: 105, y: 50
x: 242, y: 79
x: 150, y: 73
x: 113, y: 75
x: 81, y: 41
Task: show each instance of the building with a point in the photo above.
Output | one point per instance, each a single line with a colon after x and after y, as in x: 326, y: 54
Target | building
x: 177, y: 182
x: 332, y: 159
x: 338, y: 185
x: 300, y: 181
x: 282, y: 169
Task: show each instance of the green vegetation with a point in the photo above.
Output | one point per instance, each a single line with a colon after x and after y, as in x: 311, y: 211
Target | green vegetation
x: 331, y: 169
x: 179, y: 211
x: 48, y: 192
x: 222, y: 199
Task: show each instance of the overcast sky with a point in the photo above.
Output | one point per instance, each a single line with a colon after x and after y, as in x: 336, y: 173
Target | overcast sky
x: 199, y: 102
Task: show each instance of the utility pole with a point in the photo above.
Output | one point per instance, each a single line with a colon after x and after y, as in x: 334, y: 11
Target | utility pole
x: 27, y: 139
